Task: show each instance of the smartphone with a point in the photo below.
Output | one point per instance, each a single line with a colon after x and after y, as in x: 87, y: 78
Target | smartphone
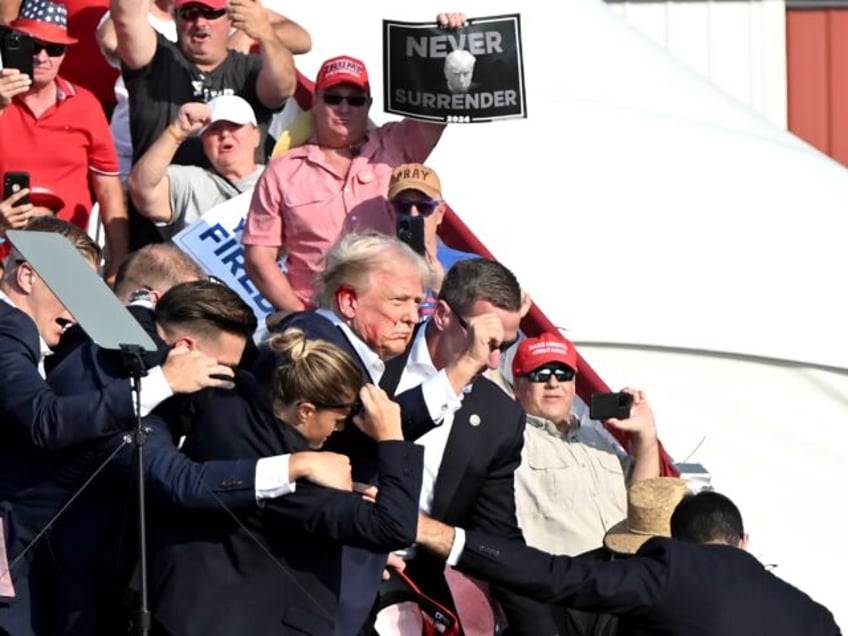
x: 604, y: 406
x: 410, y: 230
x: 15, y: 182
x: 17, y: 52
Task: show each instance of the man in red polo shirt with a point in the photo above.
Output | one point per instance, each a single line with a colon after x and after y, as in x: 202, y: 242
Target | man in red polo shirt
x: 57, y: 131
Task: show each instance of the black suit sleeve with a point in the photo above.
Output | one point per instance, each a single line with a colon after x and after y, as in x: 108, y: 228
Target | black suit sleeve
x: 494, y: 514
x: 627, y: 586
x: 388, y: 524
x: 174, y: 479
x: 32, y: 411
x: 415, y: 416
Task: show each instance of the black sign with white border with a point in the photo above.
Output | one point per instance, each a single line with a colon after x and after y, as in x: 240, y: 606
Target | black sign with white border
x: 471, y: 74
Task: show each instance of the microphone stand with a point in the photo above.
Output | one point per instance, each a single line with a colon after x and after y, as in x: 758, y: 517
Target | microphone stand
x: 133, y: 361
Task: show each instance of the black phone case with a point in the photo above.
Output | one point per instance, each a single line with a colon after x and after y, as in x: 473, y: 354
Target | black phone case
x: 14, y: 182
x: 604, y: 406
x: 17, y: 52
x: 410, y: 230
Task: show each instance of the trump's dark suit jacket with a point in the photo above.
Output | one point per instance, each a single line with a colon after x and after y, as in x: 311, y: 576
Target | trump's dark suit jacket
x: 475, y: 489
x: 277, y: 570
x: 669, y: 588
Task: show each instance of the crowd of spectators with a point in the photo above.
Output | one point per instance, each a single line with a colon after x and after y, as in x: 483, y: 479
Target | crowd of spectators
x: 360, y: 441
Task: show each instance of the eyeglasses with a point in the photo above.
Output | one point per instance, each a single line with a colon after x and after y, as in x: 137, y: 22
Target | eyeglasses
x: 194, y: 11
x: 334, y: 99
x: 502, y: 347
x: 53, y: 50
x: 543, y: 374
x: 425, y: 207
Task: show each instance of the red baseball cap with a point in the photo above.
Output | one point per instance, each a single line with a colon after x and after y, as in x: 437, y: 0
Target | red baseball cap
x: 342, y: 69
x: 212, y: 4
x: 46, y: 198
x: 537, y: 352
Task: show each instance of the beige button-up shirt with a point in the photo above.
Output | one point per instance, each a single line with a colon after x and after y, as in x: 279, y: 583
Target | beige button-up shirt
x: 570, y: 488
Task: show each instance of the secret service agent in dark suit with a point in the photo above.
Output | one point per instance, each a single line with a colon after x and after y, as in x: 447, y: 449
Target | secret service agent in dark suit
x: 42, y: 432
x: 75, y: 337
x: 92, y: 549
x: 277, y: 570
x: 474, y: 488
x: 210, y: 319
x: 476, y: 317
x: 671, y: 587
x: 38, y: 429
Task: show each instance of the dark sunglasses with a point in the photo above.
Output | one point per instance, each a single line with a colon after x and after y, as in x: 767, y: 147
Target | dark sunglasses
x: 53, y: 50
x: 334, y: 99
x: 543, y: 374
x: 192, y: 12
x: 502, y: 347
x: 425, y: 207
x: 355, y: 407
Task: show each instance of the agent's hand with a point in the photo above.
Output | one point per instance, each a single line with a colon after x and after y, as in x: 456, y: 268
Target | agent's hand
x: 12, y: 82
x: 189, y: 371
x: 368, y: 491
x: 435, y: 536
x: 394, y: 562
x: 12, y: 215
x: 324, y: 468
x: 484, y: 334
x: 380, y: 418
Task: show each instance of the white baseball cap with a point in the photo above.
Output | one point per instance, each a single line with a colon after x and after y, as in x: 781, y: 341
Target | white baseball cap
x: 230, y: 108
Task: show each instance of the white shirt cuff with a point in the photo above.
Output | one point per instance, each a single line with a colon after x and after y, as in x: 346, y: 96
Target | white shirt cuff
x: 439, y: 397
x: 272, y: 477
x: 154, y: 390
x: 457, y: 548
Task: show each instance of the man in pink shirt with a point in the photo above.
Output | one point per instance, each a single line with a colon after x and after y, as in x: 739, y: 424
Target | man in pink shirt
x: 334, y: 184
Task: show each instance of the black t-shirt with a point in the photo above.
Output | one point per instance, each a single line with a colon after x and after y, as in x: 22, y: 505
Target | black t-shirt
x: 157, y: 91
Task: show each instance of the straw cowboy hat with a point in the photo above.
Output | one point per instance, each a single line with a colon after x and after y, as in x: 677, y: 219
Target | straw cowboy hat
x: 649, y: 506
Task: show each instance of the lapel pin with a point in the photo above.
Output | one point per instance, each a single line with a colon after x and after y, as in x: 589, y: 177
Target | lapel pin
x: 474, y: 420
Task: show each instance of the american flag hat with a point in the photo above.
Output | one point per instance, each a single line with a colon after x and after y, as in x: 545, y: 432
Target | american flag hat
x: 44, y: 20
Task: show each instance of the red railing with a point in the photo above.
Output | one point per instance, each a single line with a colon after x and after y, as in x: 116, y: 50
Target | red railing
x: 457, y: 235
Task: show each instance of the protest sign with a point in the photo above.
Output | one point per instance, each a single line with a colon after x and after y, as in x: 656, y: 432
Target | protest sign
x: 214, y: 242
x: 471, y: 74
